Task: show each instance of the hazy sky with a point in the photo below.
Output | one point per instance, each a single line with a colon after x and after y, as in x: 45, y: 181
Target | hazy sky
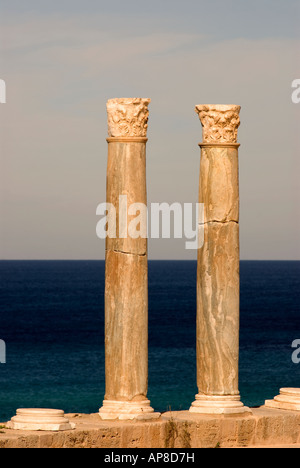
x: 62, y: 60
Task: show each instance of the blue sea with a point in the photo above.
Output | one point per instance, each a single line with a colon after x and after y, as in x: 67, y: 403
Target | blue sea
x: 52, y: 321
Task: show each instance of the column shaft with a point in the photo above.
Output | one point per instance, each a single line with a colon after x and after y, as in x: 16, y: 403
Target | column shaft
x: 218, y: 264
x: 126, y: 281
x: 126, y: 268
x: 218, y: 274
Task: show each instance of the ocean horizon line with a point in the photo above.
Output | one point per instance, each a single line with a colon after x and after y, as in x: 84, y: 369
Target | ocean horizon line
x: 149, y: 260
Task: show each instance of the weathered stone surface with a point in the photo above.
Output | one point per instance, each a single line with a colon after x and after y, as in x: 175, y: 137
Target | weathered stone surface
x: 219, y: 184
x: 215, y: 404
x: 265, y: 427
x: 126, y: 326
x: 218, y: 264
x: 220, y: 122
x: 218, y: 310
x: 126, y: 176
x: 137, y: 409
x: 127, y: 117
x: 126, y: 268
x: 40, y: 419
x: 288, y: 399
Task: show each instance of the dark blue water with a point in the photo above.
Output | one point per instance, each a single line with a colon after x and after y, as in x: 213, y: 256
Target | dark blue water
x: 52, y: 320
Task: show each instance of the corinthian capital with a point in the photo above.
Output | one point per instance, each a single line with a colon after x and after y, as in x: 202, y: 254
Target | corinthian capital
x: 127, y: 117
x: 220, y: 122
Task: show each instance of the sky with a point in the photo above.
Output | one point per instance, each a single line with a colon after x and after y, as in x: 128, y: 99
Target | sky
x: 62, y: 60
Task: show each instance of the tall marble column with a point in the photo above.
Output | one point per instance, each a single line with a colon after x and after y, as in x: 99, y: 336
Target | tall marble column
x: 218, y: 264
x: 126, y: 268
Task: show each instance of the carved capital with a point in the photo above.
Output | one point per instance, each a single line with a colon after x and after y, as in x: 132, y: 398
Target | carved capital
x: 220, y: 122
x: 127, y: 117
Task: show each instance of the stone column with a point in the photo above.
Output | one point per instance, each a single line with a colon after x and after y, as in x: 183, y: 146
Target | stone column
x: 288, y: 399
x: 40, y: 419
x: 126, y: 268
x: 218, y: 264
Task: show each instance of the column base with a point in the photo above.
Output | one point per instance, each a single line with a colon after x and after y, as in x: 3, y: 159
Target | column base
x: 288, y: 399
x: 40, y: 419
x: 220, y: 404
x: 127, y: 410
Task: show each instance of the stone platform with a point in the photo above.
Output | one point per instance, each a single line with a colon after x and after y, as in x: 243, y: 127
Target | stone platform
x: 265, y: 427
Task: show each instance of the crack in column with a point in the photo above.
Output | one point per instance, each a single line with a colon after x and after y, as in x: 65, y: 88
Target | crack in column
x: 126, y: 253
x: 219, y: 222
